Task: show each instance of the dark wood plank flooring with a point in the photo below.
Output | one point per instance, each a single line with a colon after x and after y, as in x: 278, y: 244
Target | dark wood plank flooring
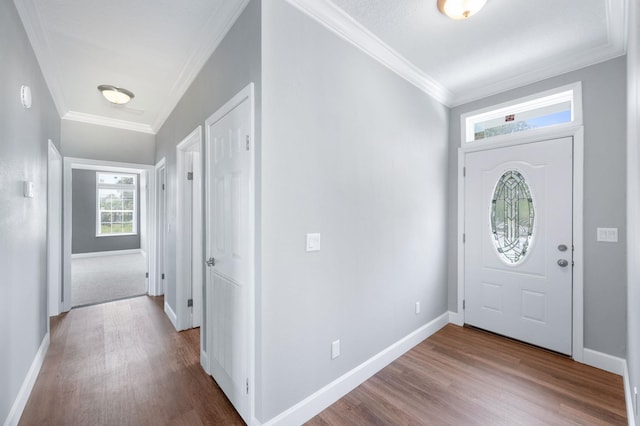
x: 464, y: 376
x: 122, y: 363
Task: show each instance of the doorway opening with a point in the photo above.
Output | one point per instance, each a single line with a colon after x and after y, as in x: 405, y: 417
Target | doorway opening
x: 107, y: 251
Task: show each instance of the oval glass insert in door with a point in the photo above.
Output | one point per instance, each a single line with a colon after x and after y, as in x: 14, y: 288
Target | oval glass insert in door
x: 512, y: 217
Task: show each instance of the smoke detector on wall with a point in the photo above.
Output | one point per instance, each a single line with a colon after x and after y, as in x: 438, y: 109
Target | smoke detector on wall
x: 25, y: 96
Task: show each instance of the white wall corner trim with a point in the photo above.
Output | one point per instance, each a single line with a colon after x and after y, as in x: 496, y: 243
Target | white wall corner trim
x: 628, y: 396
x: 342, y: 24
x: 109, y: 122
x: 27, y: 385
x: 106, y: 253
x: 172, y: 315
x: 456, y: 319
x: 323, y: 398
x: 603, y: 361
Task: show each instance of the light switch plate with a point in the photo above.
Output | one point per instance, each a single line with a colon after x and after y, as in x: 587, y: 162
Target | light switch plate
x: 313, y: 242
x: 607, y: 235
x: 28, y: 189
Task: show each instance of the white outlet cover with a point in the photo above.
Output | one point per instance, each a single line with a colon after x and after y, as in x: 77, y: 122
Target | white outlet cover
x: 313, y: 242
x: 335, y: 349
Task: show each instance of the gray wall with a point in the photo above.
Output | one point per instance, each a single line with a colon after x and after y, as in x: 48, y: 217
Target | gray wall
x: 90, y: 141
x: 604, y: 112
x: 234, y: 64
x: 83, y: 214
x: 356, y: 153
x: 633, y: 191
x: 23, y: 221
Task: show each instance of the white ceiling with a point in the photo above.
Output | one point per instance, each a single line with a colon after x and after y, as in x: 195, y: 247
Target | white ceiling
x: 147, y: 45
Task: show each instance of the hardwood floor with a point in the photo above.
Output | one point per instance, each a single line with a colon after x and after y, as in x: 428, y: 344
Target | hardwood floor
x: 463, y: 376
x: 122, y: 363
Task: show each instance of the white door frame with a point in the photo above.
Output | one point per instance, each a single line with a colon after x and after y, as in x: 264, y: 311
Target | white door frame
x: 577, y: 133
x: 189, y: 241
x: 246, y: 93
x: 155, y: 285
x: 146, y: 221
x: 54, y: 232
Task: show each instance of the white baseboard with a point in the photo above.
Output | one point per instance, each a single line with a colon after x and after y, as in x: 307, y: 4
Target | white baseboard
x: 27, y: 385
x: 456, y: 319
x: 628, y: 396
x: 204, y: 360
x: 172, y: 315
x: 604, y: 361
x: 323, y: 398
x: 105, y: 253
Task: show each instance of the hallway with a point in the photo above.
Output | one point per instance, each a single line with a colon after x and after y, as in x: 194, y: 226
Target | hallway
x: 122, y: 363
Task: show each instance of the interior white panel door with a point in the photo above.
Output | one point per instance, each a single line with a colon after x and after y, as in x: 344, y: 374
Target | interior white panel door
x: 229, y: 250
x: 524, y: 296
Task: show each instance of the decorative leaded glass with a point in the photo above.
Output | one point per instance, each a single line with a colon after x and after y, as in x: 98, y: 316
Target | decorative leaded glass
x: 512, y: 215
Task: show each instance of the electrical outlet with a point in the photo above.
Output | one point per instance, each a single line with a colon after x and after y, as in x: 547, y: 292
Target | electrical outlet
x: 417, y: 308
x: 313, y: 242
x: 335, y: 349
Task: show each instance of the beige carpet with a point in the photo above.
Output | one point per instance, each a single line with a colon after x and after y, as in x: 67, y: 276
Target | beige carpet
x: 105, y: 278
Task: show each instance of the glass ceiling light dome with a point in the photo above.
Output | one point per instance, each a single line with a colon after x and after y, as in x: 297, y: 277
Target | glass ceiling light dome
x: 460, y: 9
x: 116, y: 95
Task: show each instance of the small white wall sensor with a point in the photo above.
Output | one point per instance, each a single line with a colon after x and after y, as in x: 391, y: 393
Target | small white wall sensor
x: 25, y: 96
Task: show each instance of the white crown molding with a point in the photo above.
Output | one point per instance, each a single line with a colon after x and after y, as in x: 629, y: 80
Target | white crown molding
x: 616, y: 46
x: 342, y: 24
x: 339, y: 22
x: 40, y: 44
x: 222, y: 19
x: 109, y: 122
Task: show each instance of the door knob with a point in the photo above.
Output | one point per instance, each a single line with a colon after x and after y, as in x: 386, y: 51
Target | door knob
x: 563, y: 263
x: 211, y: 262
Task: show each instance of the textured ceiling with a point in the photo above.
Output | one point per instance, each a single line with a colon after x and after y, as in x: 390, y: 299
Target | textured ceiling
x: 152, y: 47
x: 508, y: 40
x: 156, y: 47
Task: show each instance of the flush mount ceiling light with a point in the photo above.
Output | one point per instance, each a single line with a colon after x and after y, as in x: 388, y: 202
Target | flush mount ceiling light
x: 460, y: 9
x: 115, y: 95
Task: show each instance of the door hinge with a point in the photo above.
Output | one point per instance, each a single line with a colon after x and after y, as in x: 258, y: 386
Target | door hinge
x: 247, y: 142
x: 189, y: 303
x: 163, y: 276
x: 189, y: 175
x: 464, y: 172
x: 163, y: 186
x: 247, y: 382
x: 146, y: 275
x: 464, y: 238
x: 464, y: 305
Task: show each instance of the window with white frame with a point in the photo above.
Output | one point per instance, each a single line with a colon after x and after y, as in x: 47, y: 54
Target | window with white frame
x: 117, y: 204
x: 560, y: 106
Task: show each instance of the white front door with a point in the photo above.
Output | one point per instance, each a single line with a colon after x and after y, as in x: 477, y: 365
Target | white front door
x: 229, y: 242
x: 518, y: 242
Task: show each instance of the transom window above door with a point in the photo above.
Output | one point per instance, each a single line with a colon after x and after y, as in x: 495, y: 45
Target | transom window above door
x: 556, y: 107
x: 116, y: 204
